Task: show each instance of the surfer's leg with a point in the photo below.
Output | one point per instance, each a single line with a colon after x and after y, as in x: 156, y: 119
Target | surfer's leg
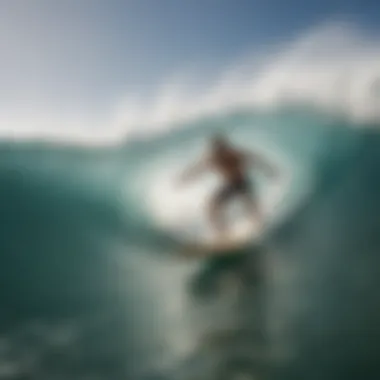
x: 215, y: 216
x: 216, y: 209
x: 252, y: 207
x: 251, y: 202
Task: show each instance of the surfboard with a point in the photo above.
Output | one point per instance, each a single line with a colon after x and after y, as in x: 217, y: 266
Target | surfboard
x: 235, y: 242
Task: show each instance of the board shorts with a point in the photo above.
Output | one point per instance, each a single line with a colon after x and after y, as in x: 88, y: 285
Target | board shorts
x: 234, y: 189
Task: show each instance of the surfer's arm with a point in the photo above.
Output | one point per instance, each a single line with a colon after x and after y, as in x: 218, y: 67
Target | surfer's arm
x: 195, y: 170
x: 262, y: 164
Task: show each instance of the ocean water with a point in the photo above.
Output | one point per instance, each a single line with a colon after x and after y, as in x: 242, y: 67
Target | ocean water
x: 93, y: 285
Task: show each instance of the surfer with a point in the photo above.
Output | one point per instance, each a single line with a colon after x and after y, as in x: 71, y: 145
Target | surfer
x: 231, y: 164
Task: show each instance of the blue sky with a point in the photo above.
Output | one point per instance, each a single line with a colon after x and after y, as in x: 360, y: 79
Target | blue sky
x: 91, y: 52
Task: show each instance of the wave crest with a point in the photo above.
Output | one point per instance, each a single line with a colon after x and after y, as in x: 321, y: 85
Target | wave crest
x: 334, y: 67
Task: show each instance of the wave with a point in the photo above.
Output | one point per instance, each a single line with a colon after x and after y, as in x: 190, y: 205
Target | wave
x: 137, y: 181
x: 82, y: 234
x: 332, y: 68
x: 331, y: 246
x: 85, y: 229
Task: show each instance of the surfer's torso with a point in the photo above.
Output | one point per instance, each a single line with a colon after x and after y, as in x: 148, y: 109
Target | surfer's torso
x: 230, y: 164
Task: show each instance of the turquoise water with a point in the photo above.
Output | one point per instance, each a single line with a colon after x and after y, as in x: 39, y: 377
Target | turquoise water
x: 93, y: 286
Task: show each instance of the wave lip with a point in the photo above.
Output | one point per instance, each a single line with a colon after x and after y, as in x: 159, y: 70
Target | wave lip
x: 333, y: 67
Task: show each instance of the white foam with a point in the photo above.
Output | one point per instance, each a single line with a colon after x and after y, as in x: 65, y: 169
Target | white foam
x: 183, y: 210
x: 335, y: 67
